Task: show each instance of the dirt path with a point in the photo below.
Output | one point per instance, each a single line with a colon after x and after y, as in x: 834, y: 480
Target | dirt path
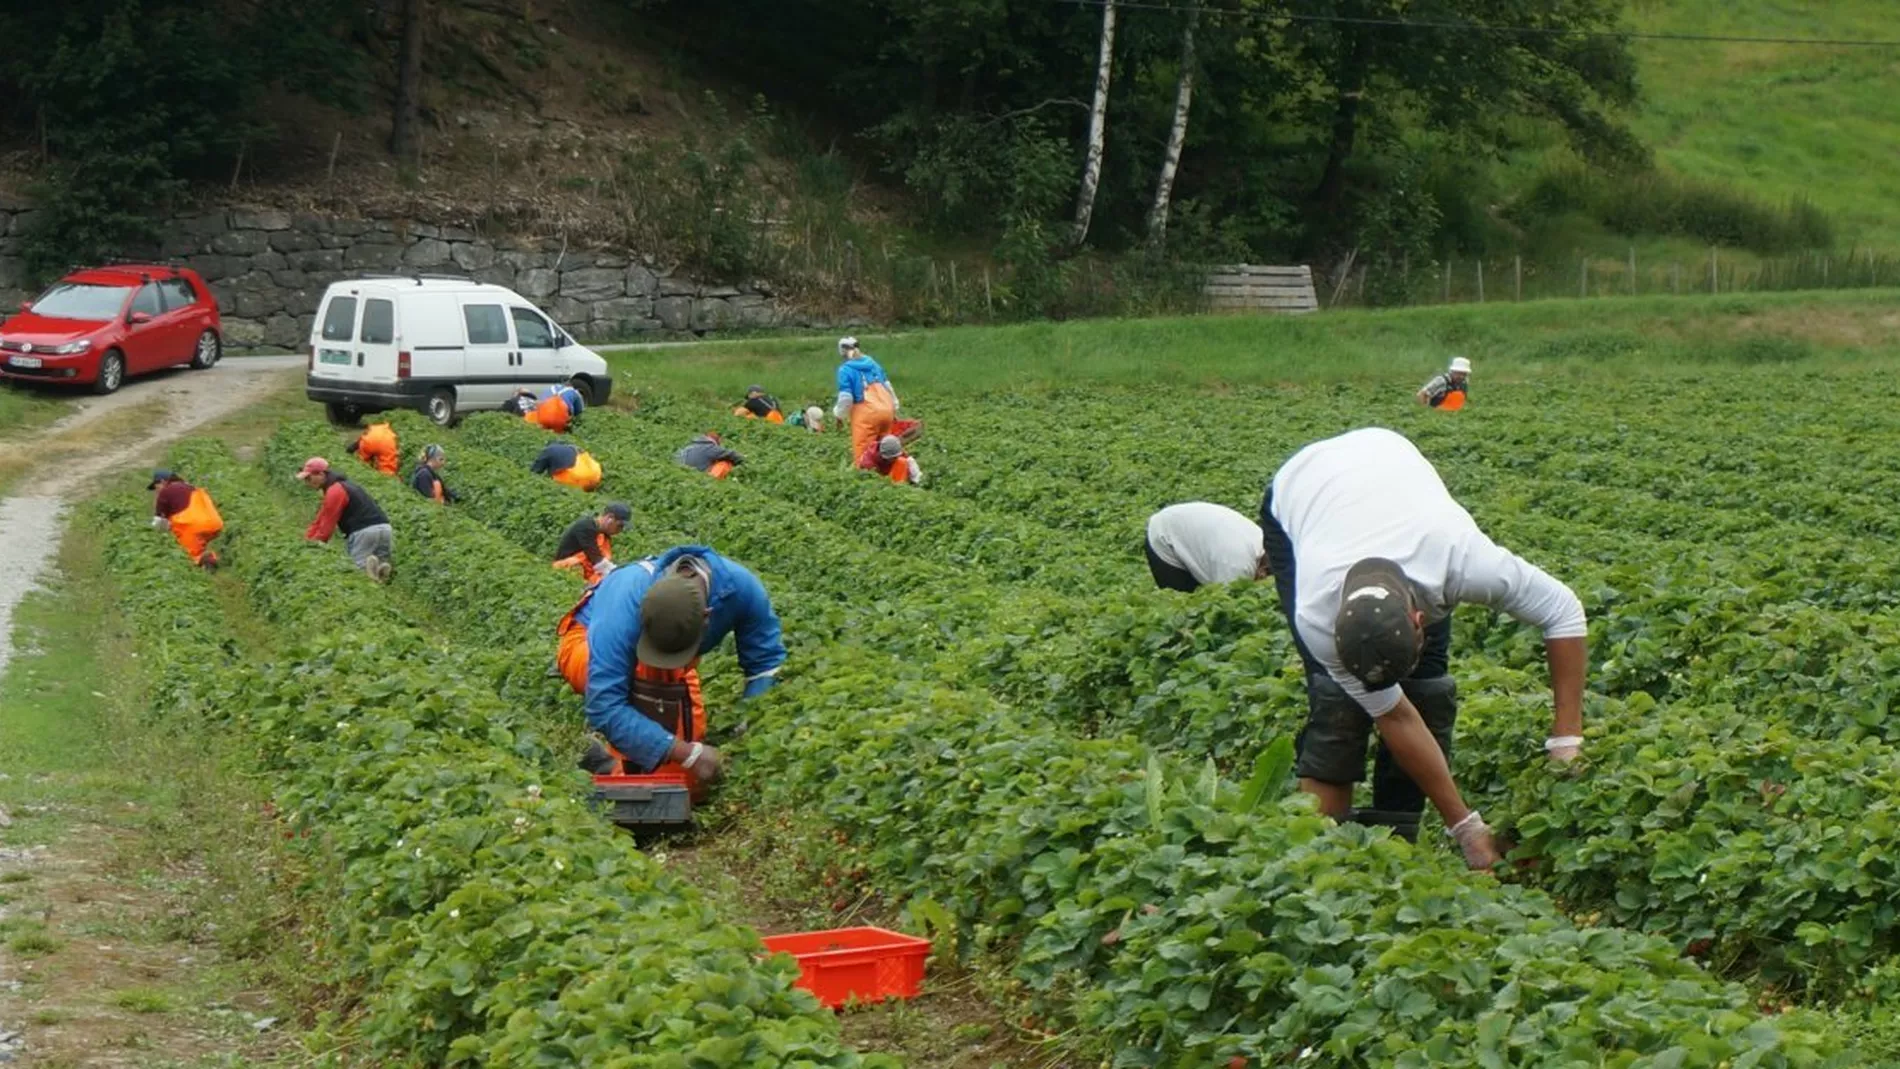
x: 30, y: 519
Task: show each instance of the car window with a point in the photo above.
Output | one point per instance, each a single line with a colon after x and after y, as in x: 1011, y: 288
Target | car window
x: 532, y: 329
x: 177, y: 293
x: 379, y: 322
x: 339, y: 320
x: 487, y: 324
x: 80, y: 300
x: 147, y: 300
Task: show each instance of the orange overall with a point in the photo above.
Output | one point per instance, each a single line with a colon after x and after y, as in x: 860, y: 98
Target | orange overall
x: 377, y: 447
x: 669, y: 697
x: 551, y: 414
x: 584, y: 475
x: 871, y: 418
x: 1453, y: 401
x: 589, y: 572
x: 196, y: 525
x: 719, y: 469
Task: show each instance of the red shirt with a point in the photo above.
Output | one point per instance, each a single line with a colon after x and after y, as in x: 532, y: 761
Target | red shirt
x: 334, y: 500
x: 172, y: 499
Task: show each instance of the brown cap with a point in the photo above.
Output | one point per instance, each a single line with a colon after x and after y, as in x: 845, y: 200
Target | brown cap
x: 1374, y: 634
x: 672, y: 621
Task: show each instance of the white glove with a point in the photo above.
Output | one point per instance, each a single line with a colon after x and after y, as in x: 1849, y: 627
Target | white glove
x: 1474, y: 838
x: 605, y: 567
x: 159, y: 523
x: 842, y: 410
x: 1564, y: 749
x: 706, y: 763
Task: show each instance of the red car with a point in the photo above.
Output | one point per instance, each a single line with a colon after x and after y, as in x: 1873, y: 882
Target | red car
x: 98, y: 326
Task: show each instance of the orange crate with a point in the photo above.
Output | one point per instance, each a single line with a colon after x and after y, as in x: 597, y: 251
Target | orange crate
x: 868, y: 964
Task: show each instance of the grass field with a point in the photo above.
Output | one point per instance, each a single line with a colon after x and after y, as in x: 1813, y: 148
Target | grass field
x: 993, y: 730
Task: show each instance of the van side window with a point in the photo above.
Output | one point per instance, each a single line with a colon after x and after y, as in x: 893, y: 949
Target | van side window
x: 178, y: 294
x: 339, y: 320
x: 379, y: 322
x: 532, y: 329
x: 487, y: 324
x: 147, y: 300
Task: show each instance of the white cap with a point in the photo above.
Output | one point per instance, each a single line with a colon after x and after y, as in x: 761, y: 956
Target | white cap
x: 847, y: 342
x: 1459, y: 363
x: 814, y: 414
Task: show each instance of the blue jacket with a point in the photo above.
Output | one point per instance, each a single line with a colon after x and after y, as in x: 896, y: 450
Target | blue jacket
x: 572, y: 397
x: 855, y: 374
x: 558, y: 456
x: 612, y: 617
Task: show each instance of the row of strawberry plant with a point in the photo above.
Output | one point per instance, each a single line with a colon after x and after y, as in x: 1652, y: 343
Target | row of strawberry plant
x: 487, y: 911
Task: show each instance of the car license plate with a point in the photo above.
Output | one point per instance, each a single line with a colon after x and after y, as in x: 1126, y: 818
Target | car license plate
x: 24, y: 361
x: 333, y: 356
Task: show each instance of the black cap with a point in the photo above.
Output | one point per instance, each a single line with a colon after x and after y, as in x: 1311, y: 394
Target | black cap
x: 1374, y: 634
x: 159, y: 476
x: 619, y: 512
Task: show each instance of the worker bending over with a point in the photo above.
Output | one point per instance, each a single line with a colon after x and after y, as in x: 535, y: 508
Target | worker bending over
x: 1197, y: 544
x: 1448, y: 390
x: 377, y: 448
x: 1371, y: 554
x: 759, y: 405
x: 189, y: 514
x: 427, y: 479
x: 865, y: 398
x: 632, y: 647
x: 587, y: 543
x: 558, y: 409
x: 520, y: 404
x: 569, y: 465
x: 708, y: 453
x: 347, y: 507
x: 887, y: 457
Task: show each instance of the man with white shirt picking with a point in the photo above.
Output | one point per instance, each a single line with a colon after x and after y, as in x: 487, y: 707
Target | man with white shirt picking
x: 1370, y: 555
x: 1196, y: 544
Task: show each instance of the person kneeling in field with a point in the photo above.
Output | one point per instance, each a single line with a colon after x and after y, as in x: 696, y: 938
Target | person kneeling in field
x: 377, y: 448
x: 427, y: 479
x: 759, y: 405
x: 521, y: 404
x: 347, y: 507
x: 708, y: 453
x: 886, y: 456
x: 188, y: 513
x: 557, y: 410
x: 1448, y: 391
x: 1198, y: 544
x: 587, y: 543
x: 569, y: 465
x: 1370, y: 555
x: 632, y: 645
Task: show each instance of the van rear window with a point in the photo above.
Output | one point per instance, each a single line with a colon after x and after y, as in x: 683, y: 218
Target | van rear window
x: 339, y: 320
x: 487, y: 324
x: 379, y: 322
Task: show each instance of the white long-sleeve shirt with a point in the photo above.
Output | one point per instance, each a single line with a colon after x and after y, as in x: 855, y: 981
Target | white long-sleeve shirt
x: 1371, y: 493
x: 1212, y: 543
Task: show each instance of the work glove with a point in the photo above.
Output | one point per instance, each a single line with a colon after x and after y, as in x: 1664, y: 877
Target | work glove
x: 159, y: 523
x: 1563, y: 749
x: 1474, y: 838
x: 706, y: 763
x: 605, y: 568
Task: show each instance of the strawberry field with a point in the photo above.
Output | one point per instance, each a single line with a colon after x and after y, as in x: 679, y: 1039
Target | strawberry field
x: 1076, y: 783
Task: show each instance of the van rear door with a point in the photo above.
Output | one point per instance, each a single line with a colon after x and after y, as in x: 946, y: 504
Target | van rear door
x: 335, y: 343
x: 376, y: 338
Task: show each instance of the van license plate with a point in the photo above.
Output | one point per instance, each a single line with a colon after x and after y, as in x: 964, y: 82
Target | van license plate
x: 24, y: 361
x: 333, y: 356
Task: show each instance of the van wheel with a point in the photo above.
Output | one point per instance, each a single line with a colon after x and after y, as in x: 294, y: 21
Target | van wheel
x: 586, y: 387
x: 441, y: 408
x: 343, y: 415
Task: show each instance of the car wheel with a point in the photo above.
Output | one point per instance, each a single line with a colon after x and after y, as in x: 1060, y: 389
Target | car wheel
x: 111, y: 372
x: 343, y: 415
x: 585, y: 385
x: 441, y: 410
x: 210, y: 349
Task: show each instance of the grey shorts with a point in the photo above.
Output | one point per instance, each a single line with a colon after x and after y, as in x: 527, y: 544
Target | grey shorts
x: 378, y: 540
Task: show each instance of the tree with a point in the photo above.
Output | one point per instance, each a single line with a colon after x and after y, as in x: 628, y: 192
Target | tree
x: 1098, y: 129
x: 405, y: 134
x: 1177, y: 134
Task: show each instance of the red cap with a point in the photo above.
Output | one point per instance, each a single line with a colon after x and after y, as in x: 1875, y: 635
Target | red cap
x: 314, y: 466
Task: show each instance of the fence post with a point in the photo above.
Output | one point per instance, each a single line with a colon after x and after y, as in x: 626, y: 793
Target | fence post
x: 1517, y: 277
x: 1583, y: 277
x: 1823, y: 270
x: 1675, y: 279
x: 1632, y: 270
x: 956, y: 296
x: 989, y: 303
x: 1715, y: 277
x: 1481, y: 280
x: 1447, y: 280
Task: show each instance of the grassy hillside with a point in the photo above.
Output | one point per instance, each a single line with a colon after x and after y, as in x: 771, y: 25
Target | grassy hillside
x: 1779, y: 120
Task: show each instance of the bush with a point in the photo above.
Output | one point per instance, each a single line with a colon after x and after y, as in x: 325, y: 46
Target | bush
x: 1653, y: 202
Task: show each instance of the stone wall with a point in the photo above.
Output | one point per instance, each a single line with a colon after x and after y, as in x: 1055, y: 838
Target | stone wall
x: 269, y: 269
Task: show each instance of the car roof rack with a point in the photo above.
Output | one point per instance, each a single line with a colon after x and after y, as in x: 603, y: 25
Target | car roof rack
x: 418, y: 276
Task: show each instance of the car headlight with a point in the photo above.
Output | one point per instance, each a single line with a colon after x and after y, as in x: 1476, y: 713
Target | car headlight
x: 70, y: 348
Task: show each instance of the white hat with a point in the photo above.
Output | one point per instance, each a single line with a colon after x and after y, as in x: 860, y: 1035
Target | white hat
x: 847, y: 342
x: 1459, y: 363
x: 814, y: 415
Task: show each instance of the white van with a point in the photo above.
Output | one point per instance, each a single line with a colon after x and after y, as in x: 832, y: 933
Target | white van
x: 441, y: 345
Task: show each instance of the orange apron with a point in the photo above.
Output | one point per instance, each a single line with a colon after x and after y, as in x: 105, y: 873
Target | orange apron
x: 900, y: 470
x: 1453, y: 401
x: 589, y: 573
x: 550, y: 415
x: 584, y: 475
x: 378, y: 447
x: 669, y: 697
x: 720, y: 469
x: 871, y: 418
x: 195, y: 525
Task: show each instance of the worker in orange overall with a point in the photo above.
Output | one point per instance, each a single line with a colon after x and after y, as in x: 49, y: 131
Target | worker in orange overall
x: 888, y: 458
x: 1448, y: 391
x: 558, y: 410
x: 865, y: 398
x: 587, y: 543
x: 569, y: 465
x: 708, y: 453
x: 377, y: 448
x: 759, y: 405
x: 632, y: 647
x: 189, y: 513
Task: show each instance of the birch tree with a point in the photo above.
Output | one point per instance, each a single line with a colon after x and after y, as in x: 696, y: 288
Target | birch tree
x: 1177, y: 134
x: 1098, y: 129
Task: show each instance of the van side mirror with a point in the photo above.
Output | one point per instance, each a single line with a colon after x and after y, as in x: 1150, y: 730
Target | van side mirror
x: 561, y: 340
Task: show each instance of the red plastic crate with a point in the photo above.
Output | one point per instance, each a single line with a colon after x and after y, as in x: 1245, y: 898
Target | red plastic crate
x: 868, y: 964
